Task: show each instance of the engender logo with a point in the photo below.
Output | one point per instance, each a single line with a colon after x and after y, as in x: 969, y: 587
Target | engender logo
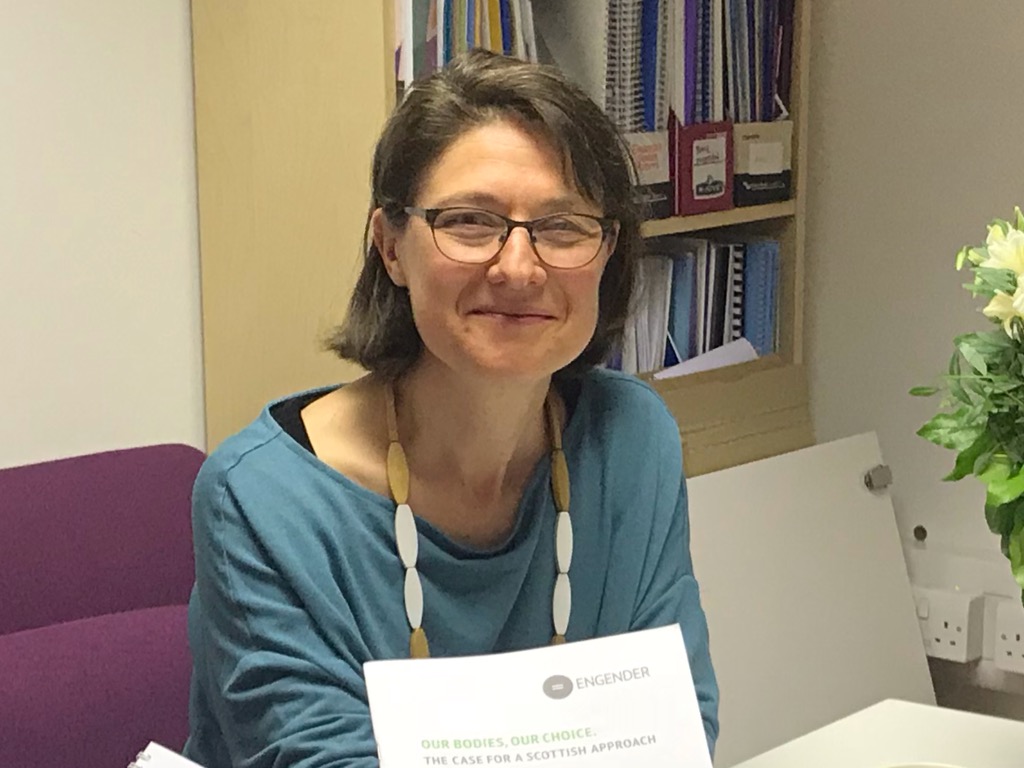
x: 560, y: 686
x: 611, y: 678
x: 557, y: 687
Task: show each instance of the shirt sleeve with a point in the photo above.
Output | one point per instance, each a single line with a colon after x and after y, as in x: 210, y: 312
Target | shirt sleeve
x: 670, y: 592
x: 282, y: 692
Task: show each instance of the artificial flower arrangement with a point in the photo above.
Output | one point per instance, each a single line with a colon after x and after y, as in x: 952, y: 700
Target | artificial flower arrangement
x: 982, y: 412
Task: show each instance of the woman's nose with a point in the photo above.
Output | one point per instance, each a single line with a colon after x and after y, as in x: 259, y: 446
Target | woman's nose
x: 517, y: 262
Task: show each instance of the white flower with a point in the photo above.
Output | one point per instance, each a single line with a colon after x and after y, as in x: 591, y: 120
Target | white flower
x: 1005, y: 251
x: 1004, y: 307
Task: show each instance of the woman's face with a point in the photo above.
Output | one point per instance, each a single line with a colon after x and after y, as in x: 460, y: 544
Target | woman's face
x: 512, y: 316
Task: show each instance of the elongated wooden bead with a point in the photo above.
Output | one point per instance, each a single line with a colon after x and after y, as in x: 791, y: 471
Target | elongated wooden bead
x: 554, y: 423
x: 419, y: 648
x: 406, y: 535
x: 413, y: 598
x: 560, y: 481
x: 398, y: 473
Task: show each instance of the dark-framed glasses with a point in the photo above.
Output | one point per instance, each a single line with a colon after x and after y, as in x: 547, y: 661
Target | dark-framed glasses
x: 475, y: 235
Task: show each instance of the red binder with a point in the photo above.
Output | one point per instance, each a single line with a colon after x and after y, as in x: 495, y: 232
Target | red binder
x: 702, y: 167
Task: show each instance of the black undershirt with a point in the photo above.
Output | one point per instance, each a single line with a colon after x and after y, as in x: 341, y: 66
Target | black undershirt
x: 288, y: 413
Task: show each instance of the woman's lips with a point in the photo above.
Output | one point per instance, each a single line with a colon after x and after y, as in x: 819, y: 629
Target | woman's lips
x: 513, y: 317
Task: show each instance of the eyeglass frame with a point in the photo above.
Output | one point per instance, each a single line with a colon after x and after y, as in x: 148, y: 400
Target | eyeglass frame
x: 429, y: 215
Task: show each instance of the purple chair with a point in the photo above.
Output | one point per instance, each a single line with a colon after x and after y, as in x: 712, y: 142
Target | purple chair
x: 95, y: 573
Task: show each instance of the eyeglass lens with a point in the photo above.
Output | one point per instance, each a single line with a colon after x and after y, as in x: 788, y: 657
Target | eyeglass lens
x: 474, y: 236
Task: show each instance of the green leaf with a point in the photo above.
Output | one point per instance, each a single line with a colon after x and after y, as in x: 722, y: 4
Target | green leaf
x: 996, y: 279
x: 1000, y: 519
x: 955, y: 431
x: 967, y: 459
x: 989, y: 342
x: 981, y: 349
x: 1016, y: 549
x: 1020, y: 217
x: 971, y: 350
x: 1003, y: 484
x: 953, y: 380
x: 978, y: 290
x: 954, y: 364
x: 924, y: 391
x: 984, y: 461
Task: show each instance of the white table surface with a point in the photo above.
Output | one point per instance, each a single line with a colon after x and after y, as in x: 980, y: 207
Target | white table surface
x: 898, y: 733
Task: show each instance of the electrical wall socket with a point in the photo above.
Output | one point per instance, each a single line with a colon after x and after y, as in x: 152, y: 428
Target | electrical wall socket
x: 1009, y: 646
x: 952, y: 623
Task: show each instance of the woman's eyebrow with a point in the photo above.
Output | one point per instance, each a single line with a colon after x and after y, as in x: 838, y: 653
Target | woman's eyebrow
x: 492, y: 202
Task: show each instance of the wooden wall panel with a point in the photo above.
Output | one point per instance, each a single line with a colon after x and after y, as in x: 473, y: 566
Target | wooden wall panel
x: 290, y: 97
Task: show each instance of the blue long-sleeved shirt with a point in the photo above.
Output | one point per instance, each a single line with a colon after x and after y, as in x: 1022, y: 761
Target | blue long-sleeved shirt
x: 298, y: 582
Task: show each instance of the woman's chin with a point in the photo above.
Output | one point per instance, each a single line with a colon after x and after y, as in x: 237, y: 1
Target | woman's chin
x: 521, y: 368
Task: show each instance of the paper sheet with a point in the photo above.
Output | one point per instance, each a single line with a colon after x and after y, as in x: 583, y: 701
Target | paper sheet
x: 604, y: 703
x: 733, y: 353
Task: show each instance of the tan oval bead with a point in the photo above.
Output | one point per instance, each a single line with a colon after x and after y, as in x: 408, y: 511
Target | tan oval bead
x: 560, y: 481
x: 419, y: 648
x: 398, y: 474
x: 558, y: 640
x: 554, y: 423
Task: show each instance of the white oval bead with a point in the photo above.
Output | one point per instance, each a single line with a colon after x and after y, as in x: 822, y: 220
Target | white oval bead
x: 561, y: 604
x: 406, y: 535
x: 563, y: 541
x: 413, y: 598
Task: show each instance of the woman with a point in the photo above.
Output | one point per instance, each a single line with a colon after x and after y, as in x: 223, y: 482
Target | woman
x: 502, y: 244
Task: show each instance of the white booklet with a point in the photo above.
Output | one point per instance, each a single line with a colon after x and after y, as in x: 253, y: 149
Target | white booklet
x: 622, y: 700
x: 156, y: 756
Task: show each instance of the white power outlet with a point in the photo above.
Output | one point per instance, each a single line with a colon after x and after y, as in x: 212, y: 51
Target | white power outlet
x: 952, y: 623
x: 1009, y: 646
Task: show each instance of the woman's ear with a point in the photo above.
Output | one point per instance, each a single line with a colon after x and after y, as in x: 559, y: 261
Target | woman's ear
x: 613, y: 239
x: 385, y: 239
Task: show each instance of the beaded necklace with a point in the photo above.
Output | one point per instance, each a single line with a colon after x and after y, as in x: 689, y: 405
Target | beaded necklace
x: 407, y: 538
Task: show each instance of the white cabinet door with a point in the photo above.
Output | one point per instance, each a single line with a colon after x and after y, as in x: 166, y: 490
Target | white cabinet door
x: 806, y: 592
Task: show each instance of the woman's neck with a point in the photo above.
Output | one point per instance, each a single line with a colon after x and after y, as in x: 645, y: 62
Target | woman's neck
x: 487, y: 434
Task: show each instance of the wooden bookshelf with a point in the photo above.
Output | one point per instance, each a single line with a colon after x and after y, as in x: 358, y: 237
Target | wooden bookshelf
x: 289, y: 100
x: 751, y: 411
x: 739, y: 414
x: 680, y: 224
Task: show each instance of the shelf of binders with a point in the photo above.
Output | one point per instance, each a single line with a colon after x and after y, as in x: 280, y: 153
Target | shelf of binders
x: 751, y: 410
x: 705, y: 221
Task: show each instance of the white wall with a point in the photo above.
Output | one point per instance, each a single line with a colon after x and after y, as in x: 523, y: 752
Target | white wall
x: 916, y: 143
x: 99, y: 274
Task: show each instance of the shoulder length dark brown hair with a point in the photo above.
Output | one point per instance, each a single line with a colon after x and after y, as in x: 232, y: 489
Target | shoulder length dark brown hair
x: 475, y: 89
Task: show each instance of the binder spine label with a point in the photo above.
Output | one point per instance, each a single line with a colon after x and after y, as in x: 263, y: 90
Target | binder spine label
x: 709, y: 168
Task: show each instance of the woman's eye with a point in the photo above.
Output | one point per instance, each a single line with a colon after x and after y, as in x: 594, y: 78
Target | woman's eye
x: 565, y: 225
x: 465, y: 219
